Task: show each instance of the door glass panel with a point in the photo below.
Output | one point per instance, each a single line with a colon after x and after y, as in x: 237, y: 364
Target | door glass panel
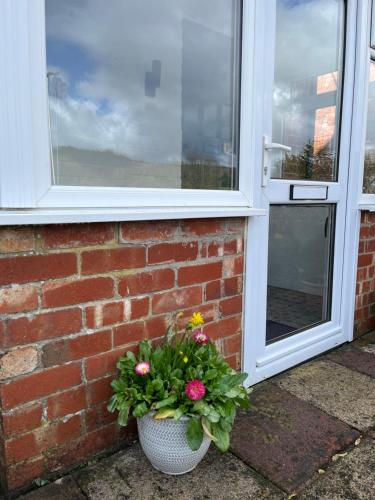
x: 299, y: 268
x: 307, y: 88
x: 369, y: 173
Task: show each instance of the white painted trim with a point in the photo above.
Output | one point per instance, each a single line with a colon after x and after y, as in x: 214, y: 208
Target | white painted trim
x: 105, y: 197
x: 364, y: 56
x: 64, y: 216
x: 24, y: 160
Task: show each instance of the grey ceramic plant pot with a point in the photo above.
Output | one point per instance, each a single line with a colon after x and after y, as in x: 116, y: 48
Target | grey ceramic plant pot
x: 165, y: 445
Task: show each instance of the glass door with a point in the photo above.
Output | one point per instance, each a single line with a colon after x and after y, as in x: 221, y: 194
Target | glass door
x: 303, y: 181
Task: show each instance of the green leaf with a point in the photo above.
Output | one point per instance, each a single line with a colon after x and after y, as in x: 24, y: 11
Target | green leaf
x: 157, y: 384
x: 123, y: 416
x: 194, y: 433
x: 112, y: 405
x: 201, y: 407
x: 226, y: 425
x: 145, y: 350
x: 140, y: 410
x: 206, y: 425
x: 164, y: 413
x: 166, y: 402
x: 178, y: 413
x: 213, y: 416
x: 221, y: 436
x: 211, y: 374
x: 130, y: 355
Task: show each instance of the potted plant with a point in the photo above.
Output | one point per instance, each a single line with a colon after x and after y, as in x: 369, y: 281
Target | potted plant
x: 183, y: 394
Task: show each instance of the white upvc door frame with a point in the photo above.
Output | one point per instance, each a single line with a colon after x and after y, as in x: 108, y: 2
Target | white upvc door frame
x: 261, y: 361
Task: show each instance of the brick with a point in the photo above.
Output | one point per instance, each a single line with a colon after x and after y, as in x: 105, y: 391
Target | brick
x: 50, y: 436
x: 16, y: 239
x: 22, y: 420
x: 22, y: 474
x: 232, y: 286
x: 202, y: 227
x: 190, y: 275
x: 104, y: 261
x: 230, y: 247
x: 233, y: 266
x: 14, y: 270
x: 99, y: 391
x: 26, y: 330
x: 76, y: 235
x: 128, y: 333
x: 103, y: 364
x: 20, y: 448
x: 364, y: 260
x: 80, y: 347
x: 18, y: 299
x: 233, y: 362
x: 231, y: 306
x: 104, y: 314
x: 370, y: 246
x: 148, y: 231
x: 66, y: 293
x: 66, y: 403
x: 98, y: 416
x: 176, y: 299
x: 213, y: 290
x: 146, y: 282
x: 233, y: 345
x: 156, y: 327
x: 40, y: 384
x: 172, y: 252
x: 83, y: 447
x: 18, y: 362
x: 215, y: 249
x: 224, y: 328
x: 235, y: 225
x: 136, y: 308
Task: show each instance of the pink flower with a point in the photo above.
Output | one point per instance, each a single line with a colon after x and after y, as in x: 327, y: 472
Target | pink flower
x: 200, y: 338
x: 195, y: 390
x: 142, y: 368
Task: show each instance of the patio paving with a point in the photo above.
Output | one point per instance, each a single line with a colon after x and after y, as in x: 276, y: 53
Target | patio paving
x: 310, y: 434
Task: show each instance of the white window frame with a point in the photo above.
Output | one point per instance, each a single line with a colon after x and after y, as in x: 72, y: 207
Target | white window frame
x: 365, y: 55
x: 25, y: 164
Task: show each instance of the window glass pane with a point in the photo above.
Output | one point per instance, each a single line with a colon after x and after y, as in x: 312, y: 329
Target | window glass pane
x: 144, y: 93
x: 307, y: 87
x: 369, y: 175
x: 299, y: 268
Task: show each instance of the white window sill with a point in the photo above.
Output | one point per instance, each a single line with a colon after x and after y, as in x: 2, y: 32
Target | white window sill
x: 366, y: 207
x: 66, y: 216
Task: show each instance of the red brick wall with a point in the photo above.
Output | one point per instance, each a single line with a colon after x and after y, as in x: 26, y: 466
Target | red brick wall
x: 73, y: 298
x: 365, y: 300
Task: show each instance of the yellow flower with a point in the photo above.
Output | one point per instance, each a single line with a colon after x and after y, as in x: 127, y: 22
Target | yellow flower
x: 196, y: 320
x: 185, y: 359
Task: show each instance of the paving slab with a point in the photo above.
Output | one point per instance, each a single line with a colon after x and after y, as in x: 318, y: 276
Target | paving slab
x: 286, y: 439
x: 350, y: 478
x: 355, y: 359
x: 366, y: 343
x: 339, y: 391
x: 218, y: 476
x: 62, y: 489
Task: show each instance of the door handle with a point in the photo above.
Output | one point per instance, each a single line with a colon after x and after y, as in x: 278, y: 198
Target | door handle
x: 269, y: 146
